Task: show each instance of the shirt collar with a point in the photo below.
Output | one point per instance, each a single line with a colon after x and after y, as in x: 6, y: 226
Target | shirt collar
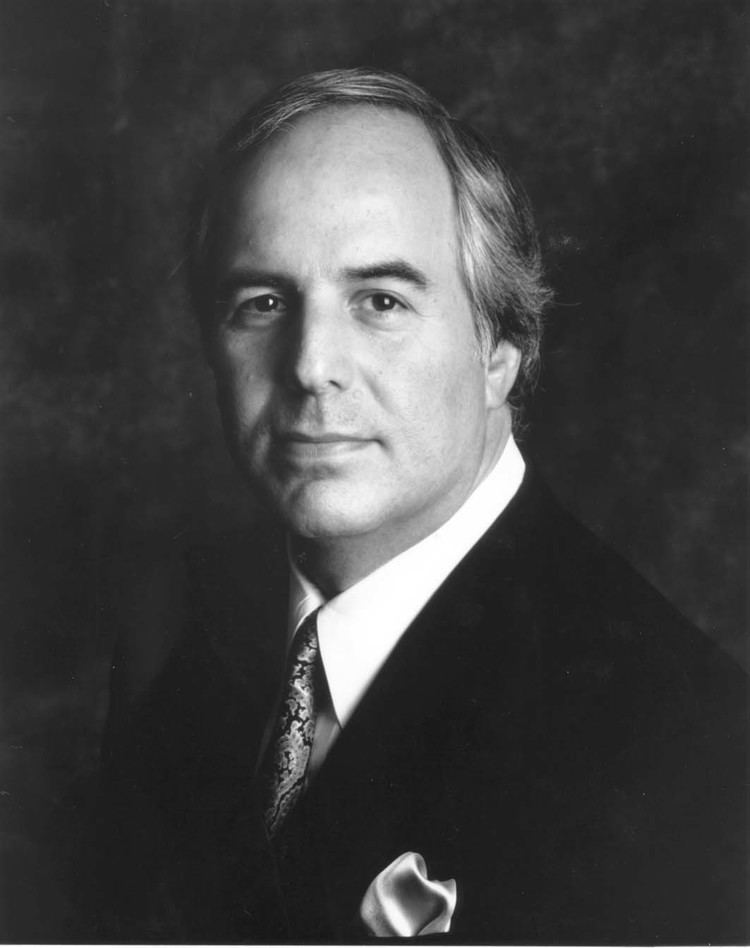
x: 358, y: 629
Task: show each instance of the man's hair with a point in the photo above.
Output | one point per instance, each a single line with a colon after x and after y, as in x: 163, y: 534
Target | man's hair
x: 499, y: 255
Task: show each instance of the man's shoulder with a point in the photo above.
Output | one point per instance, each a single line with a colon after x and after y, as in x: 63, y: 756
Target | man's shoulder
x: 213, y: 684
x: 551, y: 544
x: 578, y: 577
x: 586, y: 626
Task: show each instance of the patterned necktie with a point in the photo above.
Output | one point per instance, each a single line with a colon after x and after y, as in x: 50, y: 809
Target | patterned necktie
x: 283, y: 772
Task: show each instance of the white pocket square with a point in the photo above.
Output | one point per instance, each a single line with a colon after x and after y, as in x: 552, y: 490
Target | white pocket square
x: 401, y: 901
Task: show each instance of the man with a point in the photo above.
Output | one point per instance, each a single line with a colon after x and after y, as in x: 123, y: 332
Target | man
x: 430, y: 703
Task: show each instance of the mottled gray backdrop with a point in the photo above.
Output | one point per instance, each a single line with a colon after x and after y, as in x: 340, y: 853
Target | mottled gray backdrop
x: 626, y: 120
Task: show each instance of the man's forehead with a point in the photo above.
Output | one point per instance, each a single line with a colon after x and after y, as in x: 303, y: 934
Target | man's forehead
x: 354, y: 142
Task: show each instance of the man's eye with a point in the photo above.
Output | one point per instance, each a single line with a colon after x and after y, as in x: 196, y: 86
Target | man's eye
x: 259, y: 307
x: 383, y: 302
x: 267, y: 303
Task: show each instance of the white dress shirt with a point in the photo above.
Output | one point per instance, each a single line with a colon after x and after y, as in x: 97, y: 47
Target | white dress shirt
x: 358, y: 629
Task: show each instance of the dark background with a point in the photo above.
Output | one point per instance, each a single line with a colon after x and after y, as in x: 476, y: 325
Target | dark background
x: 627, y: 121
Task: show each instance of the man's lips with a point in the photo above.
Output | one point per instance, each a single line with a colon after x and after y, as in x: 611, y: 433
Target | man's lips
x: 318, y: 445
x: 325, y: 437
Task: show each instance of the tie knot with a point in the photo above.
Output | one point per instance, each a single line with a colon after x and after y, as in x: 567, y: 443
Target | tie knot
x: 305, y: 643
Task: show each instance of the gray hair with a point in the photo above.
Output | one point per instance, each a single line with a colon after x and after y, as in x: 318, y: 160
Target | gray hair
x: 499, y: 254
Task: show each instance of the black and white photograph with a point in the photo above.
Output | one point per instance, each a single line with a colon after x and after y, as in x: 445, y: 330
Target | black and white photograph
x: 374, y: 471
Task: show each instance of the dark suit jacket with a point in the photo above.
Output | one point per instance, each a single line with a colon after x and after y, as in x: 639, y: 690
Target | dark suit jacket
x: 548, y: 732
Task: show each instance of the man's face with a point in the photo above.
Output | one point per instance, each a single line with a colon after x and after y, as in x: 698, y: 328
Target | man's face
x: 348, y: 370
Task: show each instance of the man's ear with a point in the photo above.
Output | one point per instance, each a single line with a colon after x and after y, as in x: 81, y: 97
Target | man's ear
x: 501, y: 370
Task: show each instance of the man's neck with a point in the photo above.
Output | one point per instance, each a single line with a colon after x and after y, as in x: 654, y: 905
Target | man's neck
x: 334, y: 565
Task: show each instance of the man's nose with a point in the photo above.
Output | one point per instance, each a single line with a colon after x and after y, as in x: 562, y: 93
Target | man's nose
x: 318, y: 358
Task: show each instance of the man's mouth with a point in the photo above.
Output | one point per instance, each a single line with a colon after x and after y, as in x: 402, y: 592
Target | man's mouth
x: 319, y: 445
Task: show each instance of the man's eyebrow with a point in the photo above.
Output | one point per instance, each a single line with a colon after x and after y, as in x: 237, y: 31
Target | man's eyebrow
x: 389, y: 269
x: 237, y: 279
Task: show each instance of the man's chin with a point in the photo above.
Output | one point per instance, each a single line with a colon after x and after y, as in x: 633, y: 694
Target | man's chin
x: 320, y: 513
x: 324, y: 524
